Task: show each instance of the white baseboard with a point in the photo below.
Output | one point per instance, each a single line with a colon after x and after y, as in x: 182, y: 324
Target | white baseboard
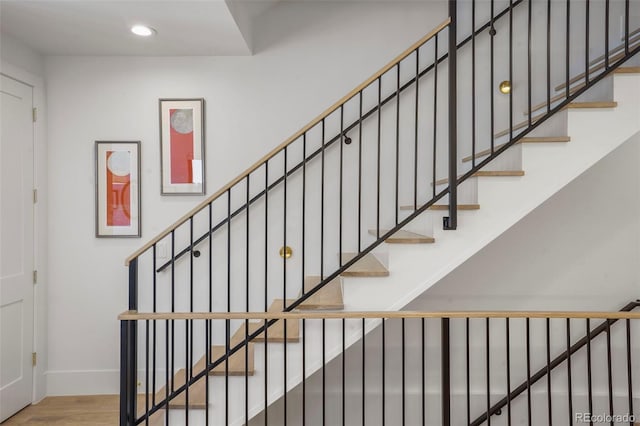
x: 83, y: 382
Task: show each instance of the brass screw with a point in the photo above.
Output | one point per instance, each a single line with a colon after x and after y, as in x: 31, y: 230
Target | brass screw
x: 286, y: 252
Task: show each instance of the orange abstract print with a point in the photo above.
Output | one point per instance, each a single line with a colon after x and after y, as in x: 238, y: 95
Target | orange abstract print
x: 118, y: 188
x: 181, y: 137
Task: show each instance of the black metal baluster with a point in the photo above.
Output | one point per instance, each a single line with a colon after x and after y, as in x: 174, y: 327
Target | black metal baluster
x: 210, y: 258
x: 324, y: 374
x: 548, y: 56
x: 424, y: 373
x: 403, y: 375
x: 492, y: 33
x: 360, y: 176
x: 284, y: 376
x: 606, y: 35
x: 173, y: 301
x: 629, y: 367
x: 589, y: 381
x: 568, y: 51
x: 569, y: 386
x: 508, y: 334
x: 322, y: 208
x: 528, y: 326
x: 609, y: 372
x: 146, y: 370
x: 341, y: 173
x: 344, y: 371
x: 473, y: 83
x: 488, y: 367
x: 511, y: 70
x: 304, y: 372
x: 284, y: 244
x: 207, y: 357
x: 378, y: 159
x: 397, y: 139
x: 445, y: 358
x: 626, y: 27
x: 363, y: 372
x: 188, y: 372
x: 266, y: 292
x: 415, y: 142
x: 384, y: 374
x: 529, y: 83
x: 167, y: 387
x: 247, y: 300
x: 228, y: 322
x: 435, y: 113
x: 468, y: 370
x: 190, y: 358
x: 586, y: 44
x: 153, y: 349
x: 549, y: 372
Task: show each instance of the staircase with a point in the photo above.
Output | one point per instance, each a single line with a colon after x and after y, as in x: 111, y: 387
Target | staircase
x: 360, y: 193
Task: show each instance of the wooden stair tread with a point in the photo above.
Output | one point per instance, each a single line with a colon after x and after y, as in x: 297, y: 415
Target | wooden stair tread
x: 368, y: 266
x: 404, y: 237
x: 627, y: 70
x: 276, y: 332
x: 197, y: 392
x: 488, y: 173
x: 590, y: 104
x: 460, y: 207
x: 542, y: 139
x: 236, y: 361
x: 593, y: 104
x: 599, y: 64
x: 618, y: 48
x: 555, y: 98
x: 328, y: 297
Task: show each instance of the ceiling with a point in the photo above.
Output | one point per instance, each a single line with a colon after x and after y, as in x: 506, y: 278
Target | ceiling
x: 94, y: 27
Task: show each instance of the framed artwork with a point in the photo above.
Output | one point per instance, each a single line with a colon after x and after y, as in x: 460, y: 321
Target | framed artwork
x: 118, y: 189
x: 182, y: 168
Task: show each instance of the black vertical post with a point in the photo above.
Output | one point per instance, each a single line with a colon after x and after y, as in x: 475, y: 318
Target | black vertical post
x: 451, y: 222
x: 446, y: 374
x: 124, y: 371
x: 128, y: 354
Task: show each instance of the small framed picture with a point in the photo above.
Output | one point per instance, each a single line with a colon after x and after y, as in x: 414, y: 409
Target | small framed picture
x: 118, y: 189
x: 182, y: 168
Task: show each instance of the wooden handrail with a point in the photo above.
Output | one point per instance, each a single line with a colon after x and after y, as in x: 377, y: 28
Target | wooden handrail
x: 290, y: 140
x: 137, y: 316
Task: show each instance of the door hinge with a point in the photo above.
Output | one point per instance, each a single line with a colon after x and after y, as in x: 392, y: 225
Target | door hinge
x: 35, y: 196
x: 35, y: 114
x: 35, y: 276
x: 34, y: 359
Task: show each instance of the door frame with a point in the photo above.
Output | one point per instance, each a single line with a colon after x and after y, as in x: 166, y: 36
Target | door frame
x: 40, y: 234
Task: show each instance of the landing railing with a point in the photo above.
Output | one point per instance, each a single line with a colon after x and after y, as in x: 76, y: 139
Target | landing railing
x: 363, y: 368
x: 332, y: 192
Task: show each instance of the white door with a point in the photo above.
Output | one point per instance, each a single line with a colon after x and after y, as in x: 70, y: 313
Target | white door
x: 16, y: 246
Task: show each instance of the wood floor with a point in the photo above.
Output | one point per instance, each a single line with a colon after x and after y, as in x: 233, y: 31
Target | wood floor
x: 95, y: 410
x: 98, y: 410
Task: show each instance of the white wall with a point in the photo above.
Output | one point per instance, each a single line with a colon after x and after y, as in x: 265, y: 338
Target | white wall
x: 309, y: 56
x: 26, y: 65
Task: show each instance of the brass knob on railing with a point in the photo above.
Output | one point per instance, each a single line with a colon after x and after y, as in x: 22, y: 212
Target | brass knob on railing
x: 505, y: 87
x: 286, y: 252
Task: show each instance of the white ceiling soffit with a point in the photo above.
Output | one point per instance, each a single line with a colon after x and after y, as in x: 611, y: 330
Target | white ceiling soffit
x: 102, y: 28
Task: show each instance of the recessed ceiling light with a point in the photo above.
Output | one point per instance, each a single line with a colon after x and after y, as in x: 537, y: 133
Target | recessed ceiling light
x: 142, y: 30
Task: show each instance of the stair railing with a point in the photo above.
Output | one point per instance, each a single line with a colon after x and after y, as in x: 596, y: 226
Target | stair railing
x: 237, y: 263
x: 388, y: 365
